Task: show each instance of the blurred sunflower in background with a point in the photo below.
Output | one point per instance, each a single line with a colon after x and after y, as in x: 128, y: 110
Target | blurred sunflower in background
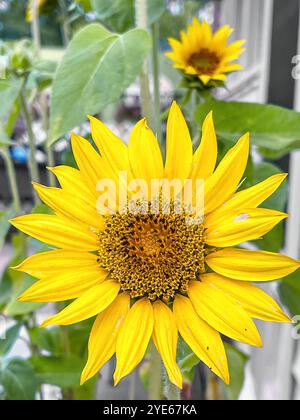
x: 152, y: 275
x: 40, y: 5
x: 204, y: 55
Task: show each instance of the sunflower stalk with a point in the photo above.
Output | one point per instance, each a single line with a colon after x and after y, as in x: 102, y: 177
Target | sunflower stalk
x: 35, y: 25
x: 32, y: 161
x: 171, y: 391
x: 146, y: 101
x: 12, y: 179
x: 156, y: 87
x: 155, y: 380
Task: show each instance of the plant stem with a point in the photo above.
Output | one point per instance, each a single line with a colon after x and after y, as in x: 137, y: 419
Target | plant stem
x: 171, y: 391
x: 49, y: 149
x: 132, y: 386
x: 155, y: 379
x: 51, y: 164
x: 65, y: 27
x: 156, y: 87
x: 35, y: 25
x: 12, y: 178
x: 146, y: 102
x: 33, y: 166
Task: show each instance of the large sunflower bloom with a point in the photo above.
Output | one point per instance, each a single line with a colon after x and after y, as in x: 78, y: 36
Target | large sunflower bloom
x: 153, y: 275
x: 204, y: 54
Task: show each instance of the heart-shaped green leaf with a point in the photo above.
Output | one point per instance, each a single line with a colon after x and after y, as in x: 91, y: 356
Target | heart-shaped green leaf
x: 96, y: 69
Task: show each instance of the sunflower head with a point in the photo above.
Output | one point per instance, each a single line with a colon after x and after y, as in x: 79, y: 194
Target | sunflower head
x: 205, y: 56
x: 149, y: 273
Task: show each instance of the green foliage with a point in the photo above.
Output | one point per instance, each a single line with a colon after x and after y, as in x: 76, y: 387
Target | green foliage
x: 110, y: 62
x: 63, y: 371
x: 289, y: 292
x: 237, y: 362
x: 119, y: 15
x: 11, y: 335
x: 274, y: 129
x: 5, y: 225
x: 9, y: 91
x: 17, y: 380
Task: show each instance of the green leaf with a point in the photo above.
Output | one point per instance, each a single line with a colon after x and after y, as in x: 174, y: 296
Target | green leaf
x: 16, y: 308
x: 85, y: 4
x: 5, y: 216
x: 47, y: 339
x: 119, y: 15
x: 18, y: 380
x: 272, y: 241
x: 63, y: 371
x: 237, y: 362
x: 11, y: 280
x: 96, y: 69
x: 9, y: 91
x: 11, y: 335
x: 271, y: 127
x: 289, y: 291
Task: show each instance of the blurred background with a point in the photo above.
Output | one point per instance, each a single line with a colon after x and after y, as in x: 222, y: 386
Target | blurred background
x: 271, y: 29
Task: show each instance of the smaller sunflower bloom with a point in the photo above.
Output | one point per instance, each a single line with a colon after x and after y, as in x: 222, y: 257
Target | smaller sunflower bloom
x: 29, y: 11
x: 205, y: 55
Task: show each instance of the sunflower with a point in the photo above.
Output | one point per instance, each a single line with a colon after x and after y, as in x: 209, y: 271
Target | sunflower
x: 151, y: 275
x: 206, y: 55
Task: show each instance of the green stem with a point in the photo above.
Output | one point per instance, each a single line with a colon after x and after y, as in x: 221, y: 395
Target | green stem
x: 32, y: 161
x: 66, y: 29
x: 35, y: 25
x: 155, y: 377
x: 171, y: 391
x: 146, y: 102
x: 49, y: 149
x: 51, y: 164
x: 12, y: 178
x: 132, y: 386
x: 156, y: 87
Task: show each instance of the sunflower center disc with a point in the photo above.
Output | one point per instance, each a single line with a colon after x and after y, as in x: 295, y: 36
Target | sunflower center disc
x: 204, y: 61
x: 152, y: 255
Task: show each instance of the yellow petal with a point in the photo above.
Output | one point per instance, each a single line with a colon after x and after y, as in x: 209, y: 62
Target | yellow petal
x: 179, y: 151
x: 144, y: 153
x: 225, y: 180
x: 58, y: 261
x: 223, y: 313
x: 245, y: 226
x: 231, y: 68
x: 113, y: 150
x: 102, y: 341
x: 203, y: 340
x: 133, y: 338
x: 241, y: 264
x: 58, y: 232
x: 255, y: 301
x: 220, y: 38
x: 205, y: 78
x: 66, y: 286
x: 165, y: 337
x: 92, y: 167
x: 67, y: 205
x: 71, y: 181
x: 93, y: 301
x: 205, y: 157
x: 251, y: 197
